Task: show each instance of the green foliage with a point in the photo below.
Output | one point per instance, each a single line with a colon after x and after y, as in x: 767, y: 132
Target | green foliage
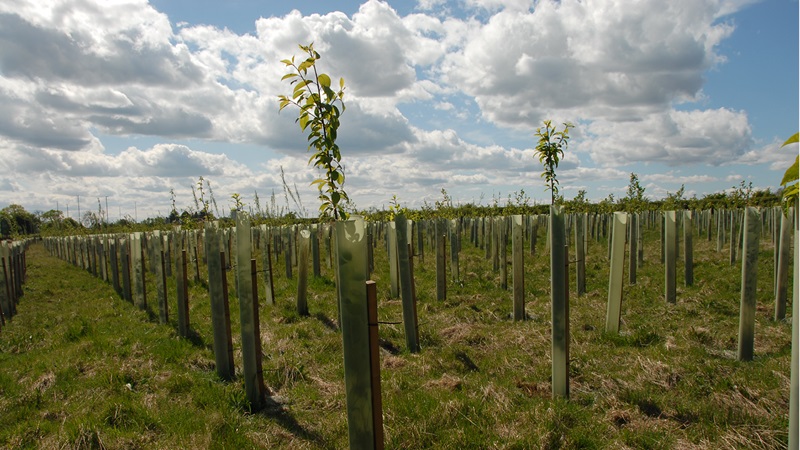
x: 15, y: 221
x: 790, y: 177
x: 319, y: 114
x: 634, y: 199
x: 444, y: 208
x: 579, y: 204
x: 674, y: 201
x: 395, y: 208
x: 550, y: 150
x: 518, y: 203
x: 174, y: 215
x: 202, y: 206
x: 238, y: 204
x: 606, y: 205
x: 740, y: 195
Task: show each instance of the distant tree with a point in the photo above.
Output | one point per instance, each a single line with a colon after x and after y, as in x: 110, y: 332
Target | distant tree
x: 716, y: 200
x: 51, y: 221
x: 739, y: 196
x: 519, y: 203
x: 444, y: 207
x: 634, y: 197
x: 579, y: 204
x: 606, y: 206
x: 15, y: 220
x: 52, y: 216
x: 674, y: 201
x: 765, y: 198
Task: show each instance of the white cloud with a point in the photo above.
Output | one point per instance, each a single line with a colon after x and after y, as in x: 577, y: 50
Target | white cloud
x: 779, y: 158
x: 588, y: 60
x: 75, y: 71
x: 713, y: 137
x: 676, y: 178
x: 123, y: 42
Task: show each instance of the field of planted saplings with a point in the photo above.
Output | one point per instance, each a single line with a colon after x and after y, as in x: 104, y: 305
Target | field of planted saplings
x: 652, y: 330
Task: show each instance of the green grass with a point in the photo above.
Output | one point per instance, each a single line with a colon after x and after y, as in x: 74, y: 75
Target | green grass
x: 81, y: 368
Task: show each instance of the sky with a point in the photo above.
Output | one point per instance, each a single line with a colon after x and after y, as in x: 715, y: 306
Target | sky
x: 121, y: 102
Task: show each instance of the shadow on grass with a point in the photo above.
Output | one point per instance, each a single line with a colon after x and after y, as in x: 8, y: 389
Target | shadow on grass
x: 469, y: 364
x: 329, y: 324
x: 196, y: 339
x: 152, y: 316
x: 273, y: 409
x: 388, y: 346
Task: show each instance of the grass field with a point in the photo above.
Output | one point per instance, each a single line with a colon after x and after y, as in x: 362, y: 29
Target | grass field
x: 82, y: 368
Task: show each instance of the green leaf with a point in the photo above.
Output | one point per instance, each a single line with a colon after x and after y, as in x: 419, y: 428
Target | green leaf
x: 289, y: 75
x: 301, y: 85
x: 791, y: 191
x: 341, y: 83
x: 329, y: 94
x: 303, y: 121
x: 324, y: 80
x: 791, y: 173
x: 287, y: 62
x: 335, y: 198
x: 791, y: 140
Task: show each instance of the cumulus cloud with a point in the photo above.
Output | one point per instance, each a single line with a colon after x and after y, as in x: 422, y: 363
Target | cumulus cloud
x: 162, y: 160
x: 72, y: 72
x: 713, y: 137
x: 91, y: 45
x: 779, y: 158
x: 590, y: 61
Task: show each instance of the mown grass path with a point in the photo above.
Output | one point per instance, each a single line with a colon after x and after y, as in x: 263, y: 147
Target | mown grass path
x: 81, y: 368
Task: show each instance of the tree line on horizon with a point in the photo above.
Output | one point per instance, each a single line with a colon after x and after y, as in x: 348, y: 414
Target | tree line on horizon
x: 16, y: 221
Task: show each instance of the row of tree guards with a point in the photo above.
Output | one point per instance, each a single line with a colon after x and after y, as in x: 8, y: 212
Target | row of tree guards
x: 12, y: 275
x: 349, y: 247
